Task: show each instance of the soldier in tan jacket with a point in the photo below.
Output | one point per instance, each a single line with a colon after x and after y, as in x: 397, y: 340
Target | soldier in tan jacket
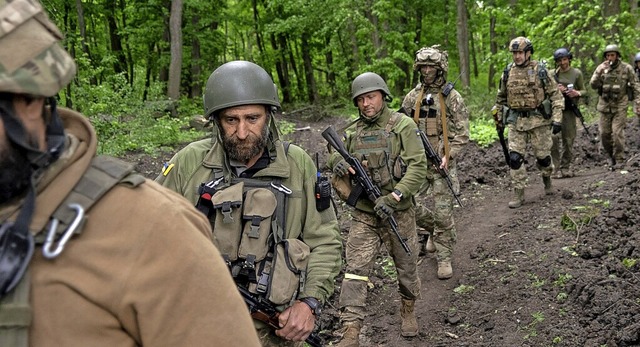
x: 92, y: 254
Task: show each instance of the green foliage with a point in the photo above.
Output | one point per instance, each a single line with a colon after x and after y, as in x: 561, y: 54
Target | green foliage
x: 464, y: 289
x: 388, y: 267
x: 629, y: 262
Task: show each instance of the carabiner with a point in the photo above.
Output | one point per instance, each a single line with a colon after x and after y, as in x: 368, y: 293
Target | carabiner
x: 51, y: 234
x: 281, y: 188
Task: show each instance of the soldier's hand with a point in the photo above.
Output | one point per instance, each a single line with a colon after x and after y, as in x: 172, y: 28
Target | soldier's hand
x: 342, y: 168
x: 385, y: 206
x: 556, y: 127
x: 297, y: 322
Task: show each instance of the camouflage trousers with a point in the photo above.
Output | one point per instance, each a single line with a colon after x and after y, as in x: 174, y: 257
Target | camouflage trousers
x: 439, y: 223
x: 540, y: 139
x: 612, y: 125
x: 366, y: 235
x: 562, y: 147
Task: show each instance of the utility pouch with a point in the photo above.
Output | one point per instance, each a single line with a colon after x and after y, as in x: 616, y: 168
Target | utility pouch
x: 512, y: 117
x: 342, y: 185
x: 227, y: 228
x: 259, y: 205
x: 545, y: 109
x: 289, y: 271
x: 378, y: 168
x: 399, y: 168
x: 431, y: 127
x: 615, y: 91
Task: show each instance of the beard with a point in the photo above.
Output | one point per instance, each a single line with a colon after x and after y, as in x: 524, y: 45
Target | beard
x: 244, y: 150
x: 15, y: 172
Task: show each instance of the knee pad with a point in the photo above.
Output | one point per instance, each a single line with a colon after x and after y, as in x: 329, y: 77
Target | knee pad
x: 544, y: 162
x: 515, y: 160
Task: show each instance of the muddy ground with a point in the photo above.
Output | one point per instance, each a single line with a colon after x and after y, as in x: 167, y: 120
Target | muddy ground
x: 562, y: 270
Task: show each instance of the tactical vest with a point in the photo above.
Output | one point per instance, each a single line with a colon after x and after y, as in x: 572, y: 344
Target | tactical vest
x: 373, y: 149
x: 67, y: 220
x: 614, y: 84
x: 525, y: 87
x: 248, y: 217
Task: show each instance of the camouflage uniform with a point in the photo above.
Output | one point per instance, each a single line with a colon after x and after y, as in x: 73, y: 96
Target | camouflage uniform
x: 562, y: 148
x: 614, y: 82
x: 523, y: 89
x: 388, y: 145
x: 440, y: 221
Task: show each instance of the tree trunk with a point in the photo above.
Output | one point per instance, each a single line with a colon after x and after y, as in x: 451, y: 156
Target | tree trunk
x: 175, y: 27
x: 281, y: 70
x: 493, y: 47
x: 120, y: 63
x: 196, y: 67
x: 83, y: 38
x: 312, y: 90
x: 163, y: 75
x: 331, y: 75
x: 463, y: 42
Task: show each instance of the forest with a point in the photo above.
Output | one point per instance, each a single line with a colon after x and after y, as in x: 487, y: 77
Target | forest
x: 137, y: 57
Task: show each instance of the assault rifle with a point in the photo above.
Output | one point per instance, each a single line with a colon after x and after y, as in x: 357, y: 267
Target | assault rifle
x: 568, y: 102
x: 500, y: 131
x: 364, y: 184
x: 435, y: 159
x: 266, y: 312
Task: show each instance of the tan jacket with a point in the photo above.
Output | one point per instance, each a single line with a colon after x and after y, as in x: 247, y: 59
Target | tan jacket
x: 144, y: 271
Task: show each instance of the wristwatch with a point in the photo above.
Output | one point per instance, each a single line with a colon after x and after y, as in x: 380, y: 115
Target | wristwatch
x: 398, y: 193
x: 313, y: 304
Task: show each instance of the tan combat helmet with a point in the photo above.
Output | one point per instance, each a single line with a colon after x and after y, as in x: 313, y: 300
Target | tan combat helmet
x: 31, y: 59
x: 521, y: 44
x: 432, y: 56
x: 611, y: 48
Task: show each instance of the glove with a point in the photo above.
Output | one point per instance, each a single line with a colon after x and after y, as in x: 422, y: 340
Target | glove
x: 341, y: 169
x: 385, y: 206
x: 556, y: 128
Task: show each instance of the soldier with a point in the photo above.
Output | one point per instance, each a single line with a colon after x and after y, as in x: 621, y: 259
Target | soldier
x: 92, y: 254
x: 529, y: 103
x: 258, y: 193
x: 617, y: 85
x: 571, y: 85
x: 636, y: 65
x: 434, y: 103
x: 388, y: 145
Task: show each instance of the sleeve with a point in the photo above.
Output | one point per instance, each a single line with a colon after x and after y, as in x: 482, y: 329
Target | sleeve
x: 458, y: 125
x: 596, y: 79
x: 178, y: 290
x: 322, y: 234
x: 501, y: 95
x: 579, y: 85
x: 171, y: 176
x: 412, y: 152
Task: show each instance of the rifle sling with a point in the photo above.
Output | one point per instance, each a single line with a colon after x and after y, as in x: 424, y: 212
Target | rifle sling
x: 416, y: 107
x: 445, y: 133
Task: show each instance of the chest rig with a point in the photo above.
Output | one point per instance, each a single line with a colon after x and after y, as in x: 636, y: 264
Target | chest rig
x: 525, y: 87
x: 373, y: 149
x: 248, y: 217
x: 614, y: 84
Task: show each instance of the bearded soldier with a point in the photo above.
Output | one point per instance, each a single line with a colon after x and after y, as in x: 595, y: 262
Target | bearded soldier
x: 617, y: 85
x: 529, y: 103
x: 440, y: 111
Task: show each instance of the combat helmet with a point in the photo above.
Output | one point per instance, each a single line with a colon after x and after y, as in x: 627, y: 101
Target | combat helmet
x: 521, y: 44
x: 238, y: 83
x: 40, y: 68
x: 562, y: 53
x: 611, y: 48
x: 432, y: 56
x: 637, y: 57
x: 368, y: 82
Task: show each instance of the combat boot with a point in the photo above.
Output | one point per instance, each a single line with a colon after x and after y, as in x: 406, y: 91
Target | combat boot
x: 518, y: 198
x: 409, y: 323
x: 351, y: 335
x: 548, y: 188
x: 445, y: 271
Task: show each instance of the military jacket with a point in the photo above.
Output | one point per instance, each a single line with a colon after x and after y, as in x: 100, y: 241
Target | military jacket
x: 194, y: 165
x: 523, y: 92
x: 616, y: 85
x: 143, y: 272
x: 403, y: 144
x: 457, y: 116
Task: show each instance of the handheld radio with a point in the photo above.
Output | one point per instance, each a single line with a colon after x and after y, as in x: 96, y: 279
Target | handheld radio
x: 322, y: 190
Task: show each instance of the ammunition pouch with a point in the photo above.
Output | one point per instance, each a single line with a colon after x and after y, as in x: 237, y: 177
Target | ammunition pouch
x: 289, y: 271
x: 342, y: 185
x: 545, y: 109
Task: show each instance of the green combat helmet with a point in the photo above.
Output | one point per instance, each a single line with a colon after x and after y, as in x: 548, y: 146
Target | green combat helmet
x: 611, y: 48
x: 521, y: 44
x: 238, y: 83
x: 41, y: 67
x: 368, y: 82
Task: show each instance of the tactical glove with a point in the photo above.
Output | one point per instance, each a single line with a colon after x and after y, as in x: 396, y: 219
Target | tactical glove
x: 341, y: 169
x: 556, y: 128
x: 385, y: 206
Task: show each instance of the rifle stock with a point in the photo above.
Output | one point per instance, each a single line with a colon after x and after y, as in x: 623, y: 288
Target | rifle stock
x: 266, y: 312
x: 364, y: 183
